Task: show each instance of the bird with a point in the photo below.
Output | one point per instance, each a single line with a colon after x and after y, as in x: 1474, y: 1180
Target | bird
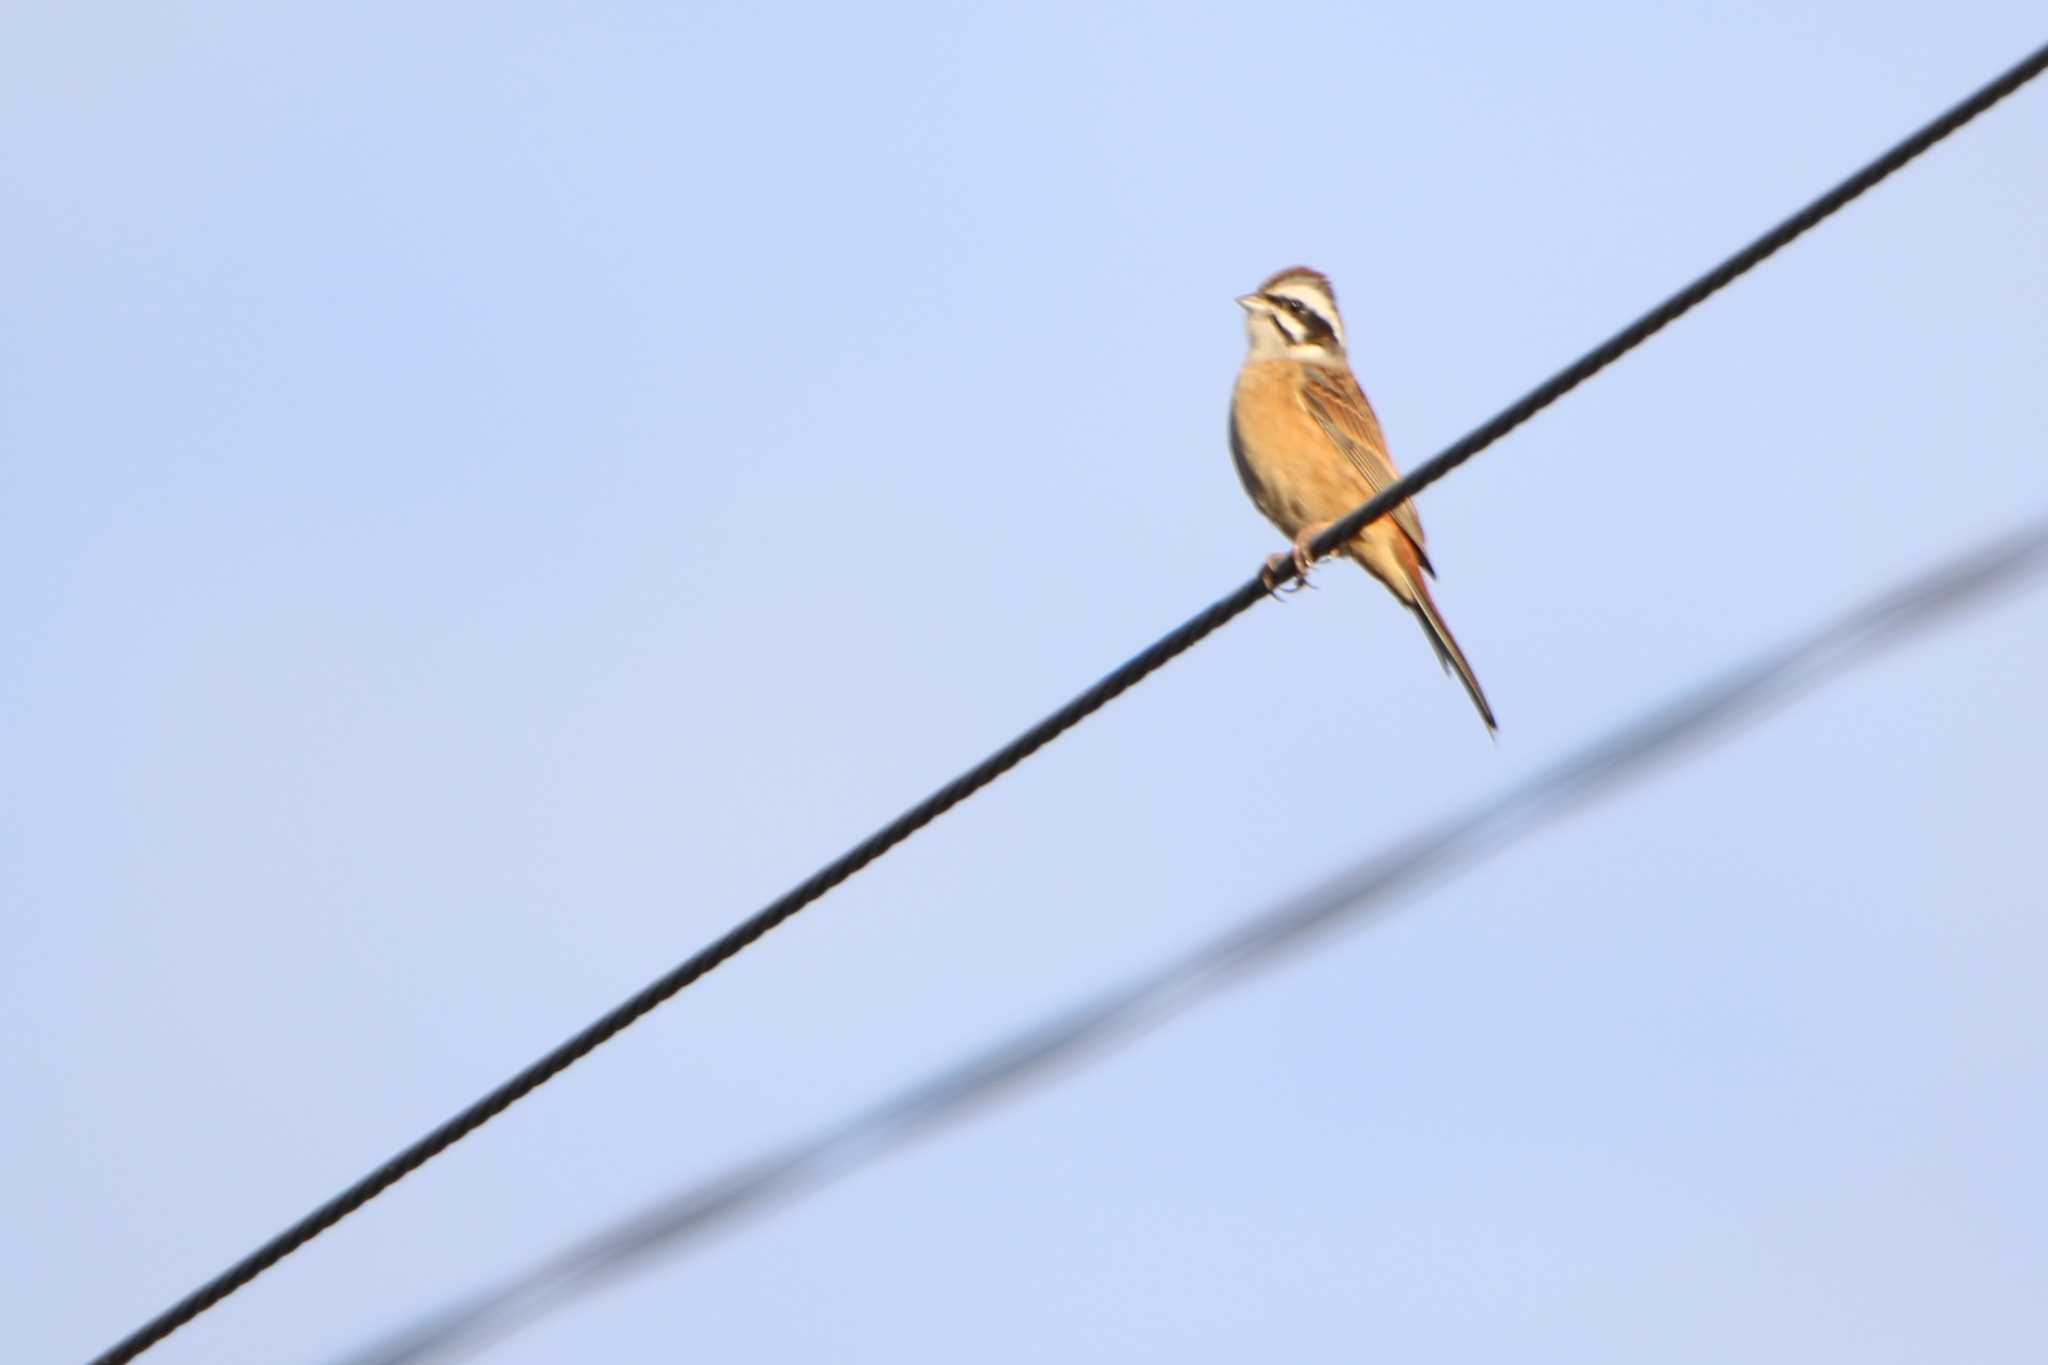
x: 1309, y: 449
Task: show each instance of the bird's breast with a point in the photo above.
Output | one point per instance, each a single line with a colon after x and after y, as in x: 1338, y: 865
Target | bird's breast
x: 1288, y: 465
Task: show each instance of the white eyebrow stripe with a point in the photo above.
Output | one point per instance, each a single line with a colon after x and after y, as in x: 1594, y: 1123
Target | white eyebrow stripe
x: 1310, y: 296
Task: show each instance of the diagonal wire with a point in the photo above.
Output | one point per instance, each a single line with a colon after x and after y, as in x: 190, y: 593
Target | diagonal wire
x: 1113, y: 685
x: 1817, y: 658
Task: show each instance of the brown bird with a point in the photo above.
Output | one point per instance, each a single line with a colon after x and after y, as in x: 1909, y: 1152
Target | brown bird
x: 1309, y: 450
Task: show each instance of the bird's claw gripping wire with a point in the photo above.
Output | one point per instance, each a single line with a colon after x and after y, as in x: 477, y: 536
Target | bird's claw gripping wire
x: 1270, y: 576
x: 1303, y: 556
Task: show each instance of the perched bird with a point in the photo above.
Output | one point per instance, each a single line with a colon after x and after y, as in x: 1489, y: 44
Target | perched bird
x: 1309, y: 450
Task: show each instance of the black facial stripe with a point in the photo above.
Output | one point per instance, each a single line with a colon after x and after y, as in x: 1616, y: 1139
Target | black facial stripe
x: 1314, y: 326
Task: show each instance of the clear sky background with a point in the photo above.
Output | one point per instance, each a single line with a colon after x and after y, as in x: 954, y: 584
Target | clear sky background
x: 490, y: 495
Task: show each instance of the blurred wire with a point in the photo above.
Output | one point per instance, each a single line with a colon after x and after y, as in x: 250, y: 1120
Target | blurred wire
x: 1131, y: 672
x: 1820, y: 657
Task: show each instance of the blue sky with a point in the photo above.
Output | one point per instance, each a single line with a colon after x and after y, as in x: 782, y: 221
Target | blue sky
x: 488, y: 499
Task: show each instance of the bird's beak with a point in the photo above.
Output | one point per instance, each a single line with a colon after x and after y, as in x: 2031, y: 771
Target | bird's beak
x: 1249, y: 302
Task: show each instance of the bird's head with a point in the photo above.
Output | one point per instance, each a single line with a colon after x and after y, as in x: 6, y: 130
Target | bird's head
x: 1293, y: 316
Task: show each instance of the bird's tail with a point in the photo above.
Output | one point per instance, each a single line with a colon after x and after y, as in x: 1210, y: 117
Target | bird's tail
x: 1446, y: 646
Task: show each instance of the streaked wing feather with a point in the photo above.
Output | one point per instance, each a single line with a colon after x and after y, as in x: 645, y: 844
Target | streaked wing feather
x: 1340, y: 408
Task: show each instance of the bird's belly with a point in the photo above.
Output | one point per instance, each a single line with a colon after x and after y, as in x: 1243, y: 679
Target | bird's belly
x: 1293, y: 476
x: 1307, y: 491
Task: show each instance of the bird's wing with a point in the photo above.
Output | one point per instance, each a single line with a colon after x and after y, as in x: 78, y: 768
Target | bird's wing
x: 1340, y: 408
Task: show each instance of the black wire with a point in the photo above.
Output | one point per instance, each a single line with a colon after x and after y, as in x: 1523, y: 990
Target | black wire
x: 1820, y: 656
x: 1133, y: 671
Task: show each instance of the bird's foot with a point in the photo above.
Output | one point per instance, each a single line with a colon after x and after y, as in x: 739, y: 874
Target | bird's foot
x: 1304, y: 555
x: 1270, y: 576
